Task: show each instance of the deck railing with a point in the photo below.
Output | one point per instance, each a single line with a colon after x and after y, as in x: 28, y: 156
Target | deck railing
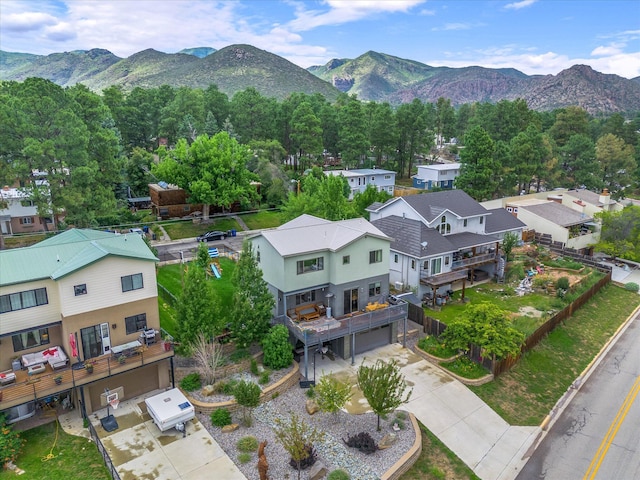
x: 36, y: 387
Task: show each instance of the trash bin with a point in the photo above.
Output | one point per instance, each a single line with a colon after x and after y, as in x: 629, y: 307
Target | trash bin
x: 145, y: 229
x: 233, y: 233
x: 153, y: 236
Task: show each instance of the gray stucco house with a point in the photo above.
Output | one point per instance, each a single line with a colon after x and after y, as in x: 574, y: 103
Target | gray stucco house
x: 330, y: 282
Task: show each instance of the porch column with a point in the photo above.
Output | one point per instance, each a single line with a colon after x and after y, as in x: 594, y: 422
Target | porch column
x: 306, y: 357
x: 353, y: 349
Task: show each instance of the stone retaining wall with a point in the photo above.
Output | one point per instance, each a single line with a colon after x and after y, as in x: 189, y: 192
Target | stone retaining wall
x: 281, y: 386
x: 435, y: 361
x: 408, y: 459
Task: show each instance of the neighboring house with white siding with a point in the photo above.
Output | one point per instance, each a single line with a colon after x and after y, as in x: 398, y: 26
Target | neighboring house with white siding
x: 360, y: 179
x: 441, y: 238
x: 18, y: 214
x: 93, y: 290
x: 325, y: 276
x: 441, y: 175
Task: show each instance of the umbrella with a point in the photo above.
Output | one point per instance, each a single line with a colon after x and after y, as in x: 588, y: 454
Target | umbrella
x: 72, y: 344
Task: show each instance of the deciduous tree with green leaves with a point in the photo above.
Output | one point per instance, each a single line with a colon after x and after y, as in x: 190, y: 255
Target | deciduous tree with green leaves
x: 509, y: 242
x: 295, y: 435
x: 332, y: 394
x: 383, y: 386
x: 620, y: 235
x: 247, y: 394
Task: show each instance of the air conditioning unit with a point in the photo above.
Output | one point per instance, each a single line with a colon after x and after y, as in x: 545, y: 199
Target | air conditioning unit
x: 400, y: 286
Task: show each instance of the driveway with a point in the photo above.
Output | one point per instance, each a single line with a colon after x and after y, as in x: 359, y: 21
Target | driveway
x: 492, y: 448
x: 139, y: 450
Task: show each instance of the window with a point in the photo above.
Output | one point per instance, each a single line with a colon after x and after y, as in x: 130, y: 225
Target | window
x: 413, y: 264
x: 395, y: 258
x: 481, y: 220
x: 132, y: 282
x: 464, y: 222
x: 436, y: 266
x: 30, y: 339
x: 444, y: 227
x: 375, y: 256
x: 387, y: 177
x: 136, y: 323
x: 346, y: 260
x: 374, y: 289
x: 186, y: 208
x: 373, y: 179
x: 258, y: 255
x: 21, y: 300
x: 446, y: 260
x: 310, y: 265
x: 80, y: 289
x: 26, y: 203
x: 164, y: 212
x: 26, y: 220
x: 306, y: 297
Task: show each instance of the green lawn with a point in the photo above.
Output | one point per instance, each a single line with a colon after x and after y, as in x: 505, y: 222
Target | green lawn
x: 187, y: 229
x: 528, y: 392
x: 169, y: 276
x: 74, y: 458
x: 263, y: 219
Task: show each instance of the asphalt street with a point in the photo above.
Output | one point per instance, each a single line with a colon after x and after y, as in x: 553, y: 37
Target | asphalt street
x: 596, y: 435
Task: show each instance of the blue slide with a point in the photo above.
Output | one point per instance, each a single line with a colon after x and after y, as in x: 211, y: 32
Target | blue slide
x: 215, y: 271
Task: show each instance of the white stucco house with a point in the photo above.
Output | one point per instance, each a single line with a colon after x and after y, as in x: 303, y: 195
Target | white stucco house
x: 359, y: 179
x: 440, y: 175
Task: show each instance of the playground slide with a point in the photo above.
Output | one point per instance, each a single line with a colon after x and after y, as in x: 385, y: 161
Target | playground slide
x: 213, y: 252
x: 215, y: 271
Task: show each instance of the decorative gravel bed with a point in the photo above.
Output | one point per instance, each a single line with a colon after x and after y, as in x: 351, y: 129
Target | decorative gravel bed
x: 332, y: 452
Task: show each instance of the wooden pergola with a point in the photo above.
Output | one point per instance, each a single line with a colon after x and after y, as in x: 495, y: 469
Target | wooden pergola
x: 437, y: 281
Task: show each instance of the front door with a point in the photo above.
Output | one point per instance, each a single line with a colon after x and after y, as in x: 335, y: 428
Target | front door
x: 351, y: 300
x: 106, y: 340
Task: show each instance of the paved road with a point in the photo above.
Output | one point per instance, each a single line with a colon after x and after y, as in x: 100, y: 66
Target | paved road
x: 596, y: 436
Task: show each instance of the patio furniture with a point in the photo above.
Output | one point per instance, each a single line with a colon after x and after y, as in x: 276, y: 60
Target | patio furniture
x: 7, y: 377
x: 37, y: 368
x: 126, y: 349
x: 54, y: 356
x: 307, y: 312
x: 148, y: 336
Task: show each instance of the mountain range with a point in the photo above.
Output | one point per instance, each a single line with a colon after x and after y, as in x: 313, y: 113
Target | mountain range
x: 372, y: 76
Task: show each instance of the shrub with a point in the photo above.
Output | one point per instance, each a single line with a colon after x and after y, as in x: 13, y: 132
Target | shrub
x: 247, y: 394
x: 247, y: 444
x: 562, y: 283
x: 244, y: 458
x: 10, y: 442
x: 275, y: 395
x: 632, y: 286
x: 401, y: 415
x: 239, y: 354
x: 264, y: 378
x: 191, y: 382
x: 338, y: 475
x: 362, y: 441
x: 229, y: 387
x: 307, y: 460
x: 311, y: 392
x: 254, y: 367
x: 276, y: 348
x: 540, y: 281
x: 220, y: 417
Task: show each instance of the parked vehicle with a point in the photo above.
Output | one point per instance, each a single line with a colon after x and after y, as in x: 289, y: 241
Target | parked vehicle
x: 212, y: 236
x: 137, y: 230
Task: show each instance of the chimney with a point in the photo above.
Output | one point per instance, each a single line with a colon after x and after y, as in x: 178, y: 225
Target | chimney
x: 604, y: 197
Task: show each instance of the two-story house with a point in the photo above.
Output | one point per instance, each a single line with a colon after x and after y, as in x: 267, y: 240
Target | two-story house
x: 440, y: 175
x: 18, y: 214
x: 360, y: 179
x: 330, y: 282
x: 80, y: 297
x: 441, y: 238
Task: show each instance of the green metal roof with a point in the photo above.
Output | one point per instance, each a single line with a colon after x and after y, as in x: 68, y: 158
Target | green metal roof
x: 66, y: 253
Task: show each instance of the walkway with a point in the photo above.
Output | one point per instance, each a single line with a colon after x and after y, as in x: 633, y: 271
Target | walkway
x: 492, y: 448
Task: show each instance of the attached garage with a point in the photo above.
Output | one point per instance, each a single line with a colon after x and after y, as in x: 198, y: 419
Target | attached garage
x: 374, y: 338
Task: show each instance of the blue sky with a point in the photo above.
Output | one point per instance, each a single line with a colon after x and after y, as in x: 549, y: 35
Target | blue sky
x: 534, y: 36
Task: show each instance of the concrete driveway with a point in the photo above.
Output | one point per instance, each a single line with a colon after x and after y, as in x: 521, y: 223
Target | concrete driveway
x: 139, y: 450
x: 492, y: 448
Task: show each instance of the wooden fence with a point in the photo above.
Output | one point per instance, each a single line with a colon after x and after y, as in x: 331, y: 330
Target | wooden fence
x: 436, y: 327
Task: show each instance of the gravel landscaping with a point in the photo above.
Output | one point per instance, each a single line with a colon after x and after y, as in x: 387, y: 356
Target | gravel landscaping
x: 332, y: 451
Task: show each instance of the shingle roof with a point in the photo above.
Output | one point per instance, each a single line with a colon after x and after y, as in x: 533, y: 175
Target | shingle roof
x: 468, y: 239
x: 558, y: 214
x: 501, y: 221
x: 431, y: 205
x: 408, y: 236
x: 307, y: 234
x: 66, y: 253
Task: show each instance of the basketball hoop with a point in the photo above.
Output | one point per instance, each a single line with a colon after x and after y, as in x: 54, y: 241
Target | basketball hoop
x: 112, y: 400
x: 114, y: 403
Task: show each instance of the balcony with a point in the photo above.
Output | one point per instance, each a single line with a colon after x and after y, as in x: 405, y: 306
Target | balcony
x: 476, y: 260
x: 325, y: 329
x: 29, y: 388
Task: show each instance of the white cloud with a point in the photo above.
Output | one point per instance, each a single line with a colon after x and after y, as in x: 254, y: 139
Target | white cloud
x: 27, y: 21
x: 607, y: 50
x: 521, y: 4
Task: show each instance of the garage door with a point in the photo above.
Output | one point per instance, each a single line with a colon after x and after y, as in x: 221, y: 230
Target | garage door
x: 372, y: 339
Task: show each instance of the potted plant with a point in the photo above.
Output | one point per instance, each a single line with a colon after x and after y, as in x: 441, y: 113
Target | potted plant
x: 88, y: 367
x: 122, y: 359
x: 58, y: 379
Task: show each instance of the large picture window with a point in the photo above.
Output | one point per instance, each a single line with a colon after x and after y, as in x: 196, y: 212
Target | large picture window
x: 375, y: 256
x: 22, y: 300
x: 132, y: 282
x: 136, y: 323
x: 374, y: 289
x: 310, y: 265
x: 30, y: 339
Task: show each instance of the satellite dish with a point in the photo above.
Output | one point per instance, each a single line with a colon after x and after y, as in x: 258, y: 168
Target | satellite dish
x: 424, y: 245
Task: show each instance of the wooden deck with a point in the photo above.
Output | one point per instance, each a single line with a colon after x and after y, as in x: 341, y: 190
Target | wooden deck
x: 41, y: 385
